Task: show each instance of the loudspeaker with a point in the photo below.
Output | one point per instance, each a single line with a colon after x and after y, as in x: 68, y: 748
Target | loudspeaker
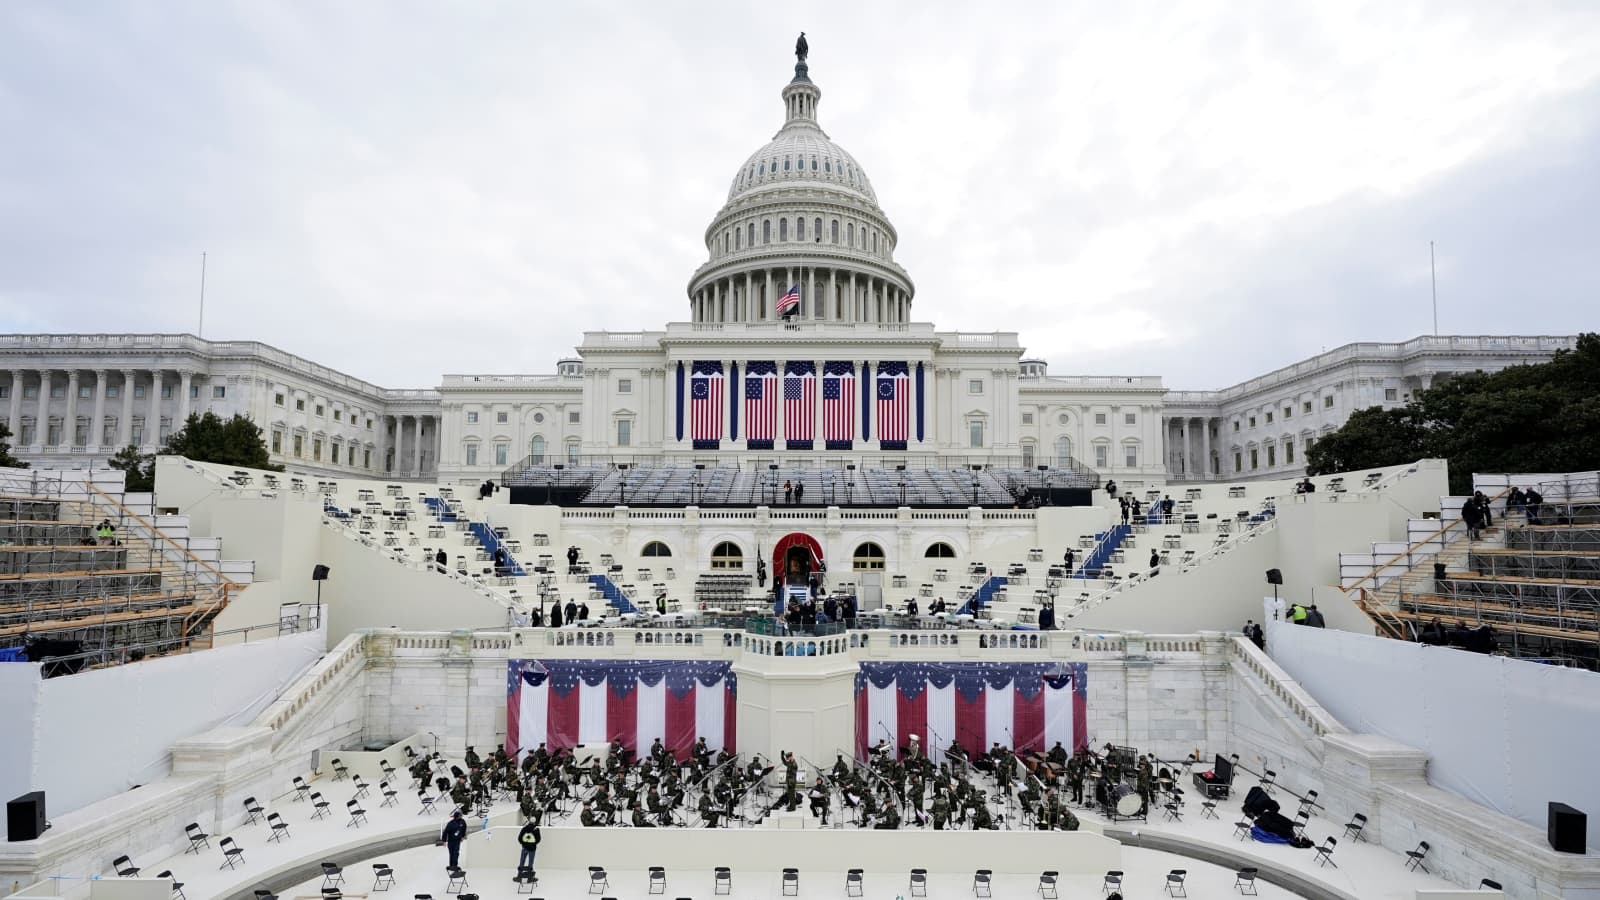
x: 1568, y: 829
x: 25, y: 817
x: 1274, y: 576
x: 1438, y: 571
x: 319, y: 573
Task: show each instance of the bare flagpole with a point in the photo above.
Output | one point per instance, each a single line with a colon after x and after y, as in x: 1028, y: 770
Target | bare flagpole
x: 200, y: 329
x: 1433, y: 278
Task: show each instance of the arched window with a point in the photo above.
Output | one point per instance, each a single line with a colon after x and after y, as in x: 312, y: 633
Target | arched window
x: 813, y: 163
x: 827, y: 167
x: 536, y: 450
x: 751, y: 240
x: 834, y: 236
x: 786, y: 163
x: 874, y: 241
x: 850, y: 234
x: 766, y: 231
x: 763, y: 168
x: 738, y: 239
x: 940, y: 550
x: 817, y: 229
x: 656, y: 548
x: 1063, y: 451
x: 783, y: 229
x: 868, y: 558
x: 727, y: 242
x: 727, y: 555
x: 800, y: 229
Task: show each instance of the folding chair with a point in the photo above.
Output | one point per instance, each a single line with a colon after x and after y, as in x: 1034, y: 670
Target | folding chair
x: 357, y: 814
x: 391, y: 797
x: 232, y: 853
x: 658, y: 880
x: 525, y: 880
x: 1175, y: 880
x: 382, y: 876
x: 1308, y: 804
x: 177, y: 886
x: 301, y: 789
x: 1489, y: 884
x: 1416, y: 856
x: 791, y: 882
x: 983, y: 883
x: 388, y: 770
x: 427, y: 800
x: 855, y: 883
x: 253, y: 811
x: 1324, y: 856
x: 458, y: 881
x: 598, y: 882
x: 1047, y: 884
x: 722, y: 880
x: 197, y: 838
x: 332, y: 894
x: 919, y: 882
x: 124, y: 867
x: 280, y: 828
x: 321, y: 804
x: 1241, y: 829
x: 332, y: 874
x: 361, y: 787
x: 1354, y: 827
x: 1301, y: 820
x: 1269, y: 779
x: 1208, y: 809
x: 1113, y: 882
x: 1245, y: 881
x: 1173, y: 813
x: 340, y: 771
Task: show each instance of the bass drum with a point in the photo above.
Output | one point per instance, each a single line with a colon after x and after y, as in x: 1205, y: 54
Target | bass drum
x: 1125, y: 801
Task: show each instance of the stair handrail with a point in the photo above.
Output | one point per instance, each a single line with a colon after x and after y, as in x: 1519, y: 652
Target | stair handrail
x: 158, y: 535
x: 1405, y: 555
x: 1250, y: 533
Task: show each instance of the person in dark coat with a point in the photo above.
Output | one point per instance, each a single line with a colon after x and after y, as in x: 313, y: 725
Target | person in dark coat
x: 555, y: 615
x: 455, y: 831
x: 571, y: 611
x: 442, y: 560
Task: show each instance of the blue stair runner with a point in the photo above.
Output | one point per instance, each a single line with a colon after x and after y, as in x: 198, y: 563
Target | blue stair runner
x: 613, y: 594
x: 487, y: 539
x: 1106, y: 544
x: 984, y: 594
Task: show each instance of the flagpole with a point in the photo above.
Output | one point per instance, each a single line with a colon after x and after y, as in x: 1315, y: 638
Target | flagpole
x: 1433, y: 278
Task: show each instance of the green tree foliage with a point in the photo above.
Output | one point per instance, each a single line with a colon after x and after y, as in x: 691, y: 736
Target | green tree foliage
x: 1536, y: 418
x: 139, y: 471
x: 6, y: 459
x: 229, y: 442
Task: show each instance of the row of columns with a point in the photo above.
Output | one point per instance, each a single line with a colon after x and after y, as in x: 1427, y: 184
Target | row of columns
x: 1180, y: 433
x: 401, y: 458
x: 826, y: 295
x: 127, y: 380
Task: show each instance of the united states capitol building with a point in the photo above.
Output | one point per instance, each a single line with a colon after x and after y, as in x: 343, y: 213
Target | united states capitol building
x: 801, y: 213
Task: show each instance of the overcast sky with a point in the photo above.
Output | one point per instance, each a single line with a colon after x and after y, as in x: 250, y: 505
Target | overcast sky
x: 1203, y: 191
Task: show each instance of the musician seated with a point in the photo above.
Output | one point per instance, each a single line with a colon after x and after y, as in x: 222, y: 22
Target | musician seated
x: 1058, y: 754
x: 890, y: 820
x: 819, y: 801
x: 638, y: 818
x: 880, y: 749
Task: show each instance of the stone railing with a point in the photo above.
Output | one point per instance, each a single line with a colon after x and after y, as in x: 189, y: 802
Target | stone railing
x: 1286, y: 689
x: 341, y: 664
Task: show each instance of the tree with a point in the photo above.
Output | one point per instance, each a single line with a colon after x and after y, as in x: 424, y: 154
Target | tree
x: 233, y: 442
x: 6, y: 459
x: 1532, y: 418
x: 139, y: 470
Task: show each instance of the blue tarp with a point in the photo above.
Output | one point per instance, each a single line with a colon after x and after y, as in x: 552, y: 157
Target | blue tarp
x: 13, y: 654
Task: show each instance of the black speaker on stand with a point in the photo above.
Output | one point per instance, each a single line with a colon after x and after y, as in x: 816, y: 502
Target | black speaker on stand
x: 1274, y: 578
x: 319, y: 574
x: 1568, y: 829
x: 25, y: 819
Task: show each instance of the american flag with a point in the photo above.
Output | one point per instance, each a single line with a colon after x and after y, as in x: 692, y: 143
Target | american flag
x: 799, y: 405
x: 761, y: 404
x: 839, y: 404
x: 790, y: 300
x: 894, y: 404
x: 705, y: 402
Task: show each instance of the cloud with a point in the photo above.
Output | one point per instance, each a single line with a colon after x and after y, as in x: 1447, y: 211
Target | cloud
x: 1202, y: 191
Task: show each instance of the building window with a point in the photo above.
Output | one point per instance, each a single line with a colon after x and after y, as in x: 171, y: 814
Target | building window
x: 1063, y: 451
x: 58, y: 392
x: 975, y: 433
x: 472, y: 454
x: 501, y: 418
x: 108, y: 434
x: 572, y: 453
x: 1238, y: 461
x: 1269, y: 418
x: 472, y: 417
x: 536, y: 450
x: 1130, y: 418
x: 316, y: 449
x: 136, y: 432
x: 83, y: 392
x: 1288, y: 412
x: 975, y: 386
x: 1391, y: 394
x: 277, y: 442
x: 1255, y: 459
x: 299, y: 446
x: 166, y: 429
x: 1102, y: 455
x: 624, y: 432
x: 727, y: 555
x: 624, y: 385
x: 656, y: 549
x: 833, y: 232
x: 319, y: 410
x: 783, y: 225
x: 1272, y: 455
x: 500, y: 454
x: 194, y: 392
x: 1252, y: 421
x: 338, y: 415
x: 766, y: 231
x: 572, y: 417
x: 751, y: 239
x: 1027, y: 454
x: 850, y: 234
x: 816, y: 229
x: 113, y: 392
x: 800, y: 229
x: 867, y: 558
x: 1306, y: 407
x: 299, y: 405
x: 1235, y: 426
x: 369, y: 424
x: 277, y: 399
x: 166, y: 392
x: 1288, y: 452
x: 5, y: 392
x: 1130, y: 454
x: 366, y: 459
x: 25, y: 435
x: 1027, y: 418
x: 1327, y: 402
x: 940, y: 550
x: 1099, y: 418
x: 53, y: 433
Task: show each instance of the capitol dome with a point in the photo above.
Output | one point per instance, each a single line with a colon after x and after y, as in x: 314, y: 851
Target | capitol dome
x: 801, y: 220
